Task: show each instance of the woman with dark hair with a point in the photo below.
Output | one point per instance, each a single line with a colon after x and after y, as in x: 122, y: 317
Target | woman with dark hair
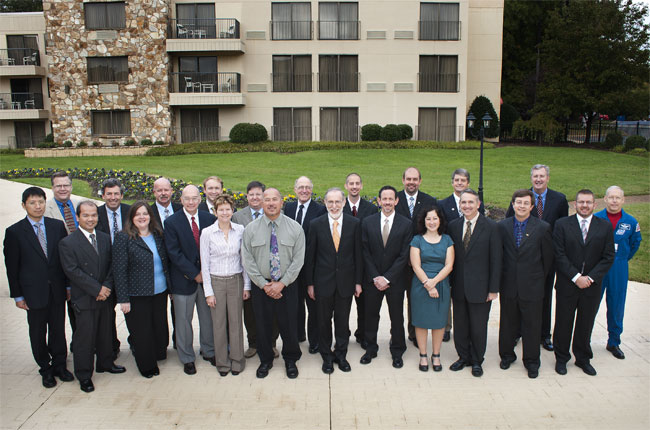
x: 432, y: 258
x: 141, y: 274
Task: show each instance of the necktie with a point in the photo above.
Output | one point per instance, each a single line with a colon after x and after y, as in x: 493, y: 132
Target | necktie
x: 385, y: 232
x: 299, y: 216
x: 518, y: 233
x: 354, y: 211
x: 69, y: 219
x: 256, y: 214
x: 335, y: 235
x: 195, y: 232
x: 94, y: 242
x: 584, y: 230
x: 468, y: 235
x: 275, y: 255
x: 41, y: 237
x: 411, y: 205
x: 212, y: 210
x: 166, y: 213
x: 115, y: 226
x: 540, y: 207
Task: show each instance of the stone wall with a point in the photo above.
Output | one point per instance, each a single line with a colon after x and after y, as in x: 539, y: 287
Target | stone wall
x: 145, y: 94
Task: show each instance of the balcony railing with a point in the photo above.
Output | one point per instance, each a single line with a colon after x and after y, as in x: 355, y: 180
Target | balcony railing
x: 443, y: 133
x: 199, y: 134
x: 20, y: 57
x: 195, y: 82
x: 338, y: 82
x: 292, y: 82
x: 338, y: 30
x: 439, y: 30
x: 296, y: 133
x: 215, y: 28
x: 21, y: 101
x: 292, y: 30
x: 438, y: 82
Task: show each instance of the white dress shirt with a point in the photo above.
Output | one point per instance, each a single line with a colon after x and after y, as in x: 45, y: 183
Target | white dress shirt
x: 338, y: 226
x: 390, y: 219
x: 588, y: 219
x: 304, y: 210
x: 189, y: 218
x: 87, y: 234
x: 221, y: 257
x: 354, y: 205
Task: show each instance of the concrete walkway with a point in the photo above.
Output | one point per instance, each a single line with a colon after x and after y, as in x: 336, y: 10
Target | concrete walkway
x: 370, y: 397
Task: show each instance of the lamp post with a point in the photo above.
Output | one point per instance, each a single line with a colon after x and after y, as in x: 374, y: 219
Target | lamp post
x: 481, y: 134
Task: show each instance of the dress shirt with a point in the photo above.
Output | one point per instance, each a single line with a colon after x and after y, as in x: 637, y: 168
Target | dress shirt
x: 543, y: 198
x: 161, y: 211
x: 523, y: 224
x: 69, y: 204
x: 579, y: 218
x: 457, y: 200
x: 260, y: 210
x: 220, y: 257
x: 160, y: 281
x: 189, y: 218
x: 339, y: 226
x: 87, y: 234
x: 110, y: 213
x: 34, y: 225
x: 304, y: 210
x: 390, y: 219
x: 354, y: 205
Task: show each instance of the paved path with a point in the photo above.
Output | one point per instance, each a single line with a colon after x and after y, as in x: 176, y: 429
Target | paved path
x: 370, y: 397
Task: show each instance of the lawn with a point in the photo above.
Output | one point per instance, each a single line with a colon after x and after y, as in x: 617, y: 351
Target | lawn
x: 640, y: 264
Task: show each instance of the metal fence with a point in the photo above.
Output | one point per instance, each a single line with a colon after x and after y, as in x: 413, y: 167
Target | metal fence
x: 195, y: 82
x: 219, y: 28
x: 20, y: 57
x: 198, y: 134
x: 576, y: 132
x: 21, y: 101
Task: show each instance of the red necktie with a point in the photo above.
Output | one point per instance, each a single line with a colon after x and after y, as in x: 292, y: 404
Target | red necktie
x: 195, y: 232
x: 354, y: 211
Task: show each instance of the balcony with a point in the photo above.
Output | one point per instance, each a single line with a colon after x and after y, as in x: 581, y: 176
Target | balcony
x: 438, y: 82
x: 338, y: 30
x: 439, y: 30
x: 22, y: 106
x: 292, y: 30
x: 205, y: 89
x: 19, y: 62
x: 204, y: 35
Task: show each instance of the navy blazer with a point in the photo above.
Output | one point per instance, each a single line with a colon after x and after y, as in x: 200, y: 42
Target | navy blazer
x: 102, y: 221
x: 31, y: 274
x: 175, y: 206
x: 184, y: 256
x: 402, y: 207
x: 556, y: 207
x: 365, y: 209
x: 448, y: 206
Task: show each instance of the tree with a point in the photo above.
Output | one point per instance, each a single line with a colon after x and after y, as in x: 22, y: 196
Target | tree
x: 479, y: 107
x: 21, y: 5
x: 594, y: 55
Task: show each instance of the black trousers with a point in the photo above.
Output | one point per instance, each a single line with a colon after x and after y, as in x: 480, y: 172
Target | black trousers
x: 395, y: 300
x: 527, y: 315
x: 545, y: 329
x: 92, y: 336
x: 312, y: 316
x: 360, y: 332
x: 337, y: 307
x: 71, y: 317
x: 149, y: 330
x: 470, y: 329
x: 410, y: 327
x: 284, y: 311
x: 249, y: 323
x: 47, y: 336
x: 583, y: 309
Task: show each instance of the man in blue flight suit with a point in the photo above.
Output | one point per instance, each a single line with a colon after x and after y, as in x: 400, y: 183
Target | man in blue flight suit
x: 627, y: 238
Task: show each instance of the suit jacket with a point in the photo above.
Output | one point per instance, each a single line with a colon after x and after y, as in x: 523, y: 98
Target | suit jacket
x: 422, y: 200
x: 389, y: 261
x: 573, y: 256
x: 449, y: 208
x: 556, y: 207
x: 52, y: 210
x: 87, y: 270
x: 477, y: 271
x: 135, y: 260
x: 244, y: 216
x: 30, y: 273
x: 313, y: 211
x: 525, y: 268
x: 103, y: 221
x: 365, y: 209
x: 325, y: 268
x: 184, y: 256
x: 175, y: 206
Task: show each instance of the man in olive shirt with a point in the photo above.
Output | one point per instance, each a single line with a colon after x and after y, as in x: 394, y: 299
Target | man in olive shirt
x: 273, y: 252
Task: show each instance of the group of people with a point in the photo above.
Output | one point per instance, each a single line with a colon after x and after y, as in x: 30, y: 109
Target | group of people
x: 292, y: 271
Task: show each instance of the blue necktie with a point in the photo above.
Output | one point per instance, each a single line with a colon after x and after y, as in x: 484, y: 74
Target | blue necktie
x: 275, y: 255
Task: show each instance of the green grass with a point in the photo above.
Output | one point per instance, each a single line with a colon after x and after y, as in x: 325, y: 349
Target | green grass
x: 640, y: 264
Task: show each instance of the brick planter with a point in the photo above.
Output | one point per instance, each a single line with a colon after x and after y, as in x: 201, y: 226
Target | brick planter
x: 85, y: 152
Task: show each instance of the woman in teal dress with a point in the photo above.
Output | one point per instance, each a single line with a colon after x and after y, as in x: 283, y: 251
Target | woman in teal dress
x: 432, y: 258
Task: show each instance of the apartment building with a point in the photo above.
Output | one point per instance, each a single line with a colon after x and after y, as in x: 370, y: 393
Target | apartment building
x: 185, y: 70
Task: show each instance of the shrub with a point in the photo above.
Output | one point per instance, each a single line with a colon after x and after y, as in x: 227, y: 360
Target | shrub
x: 636, y: 142
x: 49, y: 138
x: 638, y: 151
x: 45, y: 144
x: 612, y: 139
x: 509, y: 114
x: 390, y: 133
x: 130, y: 142
x: 248, y: 133
x: 370, y: 132
x: 406, y: 131
x: 115, y: 143
x: 479, y: 107
x: 159, y: 142
x: 96, y: 144
x: 146, y: 142
x: 67, y: 144
x: 540, y: 128
x: 82, y: 144
x: 618, y: 149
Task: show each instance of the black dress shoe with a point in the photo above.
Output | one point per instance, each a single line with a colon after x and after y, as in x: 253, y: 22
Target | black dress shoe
x: 86, y: 386
x: 367, y: 358
x: 292, y: 370
x: 234, y: 372
x: 344, y: 366
x: 533, y: 373
x: 363, y: 343
x: 423, y: 367
x: 114, y: 369
x: 458, y: 365
x: 156, y: 371
x: 263, y: 370
x: 223, y: 372
x: 547, y: 344
x: 64, y: 375
x: 616, y: 352
x: 506, y: 362
x: 150, y: 374
x: 48, y: 380
x: 212, y: 360
x: 398, y: 363
x: 587, y: 368
x: 446, y: 337
x: 328, y: 367
x: 560, y: 368
x: 436, y: 367
x: 189, y: 368
x: 313, y: 349
x: 477, y: 370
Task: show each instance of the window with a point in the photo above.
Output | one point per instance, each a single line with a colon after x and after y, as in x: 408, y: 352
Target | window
x: 199, y: 125
x: 338, y: 21
x: 338, y: 73
x: 292, y: 124
x: 291, y: 21
x: 292, y: 73
x: 107, y: 69
x: 438, y: 73
x: 29, y: 133
x: 105, y: 15
x: 339, y: 124
x: 197, y: 18
x: 439, y: 21
x: 437, y: 124
x: 111, y: 122
x: 23, y: 49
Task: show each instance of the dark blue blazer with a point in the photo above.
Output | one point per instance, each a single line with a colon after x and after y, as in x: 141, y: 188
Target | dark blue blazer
x: 102, y: 217
x: 184, y: 256
x: 556, y: 207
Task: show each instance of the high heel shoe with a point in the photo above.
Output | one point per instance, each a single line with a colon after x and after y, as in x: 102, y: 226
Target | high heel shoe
x: 424, y: 367
x: 436, y: 367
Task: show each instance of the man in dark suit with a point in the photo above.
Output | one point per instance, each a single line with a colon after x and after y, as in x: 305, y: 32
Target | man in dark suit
x: 112, y: 218
x: 386, y: 237
x: 360, y: 209
x: 584, y: 252
x: 410, y: 201
x: 86, y: 261
x: 30, y: 244
x: 182, y: 234
x: 527, y: 258
x: 303, y: 211
x: 549, y: 206
x: 474, y: 281
x: 333, y: 271
x: 212, y: 188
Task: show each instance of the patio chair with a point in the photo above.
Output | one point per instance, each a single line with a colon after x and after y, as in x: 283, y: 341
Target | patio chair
x: 181, y: 32
x: 29, y: 104
x: 188, y: 84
